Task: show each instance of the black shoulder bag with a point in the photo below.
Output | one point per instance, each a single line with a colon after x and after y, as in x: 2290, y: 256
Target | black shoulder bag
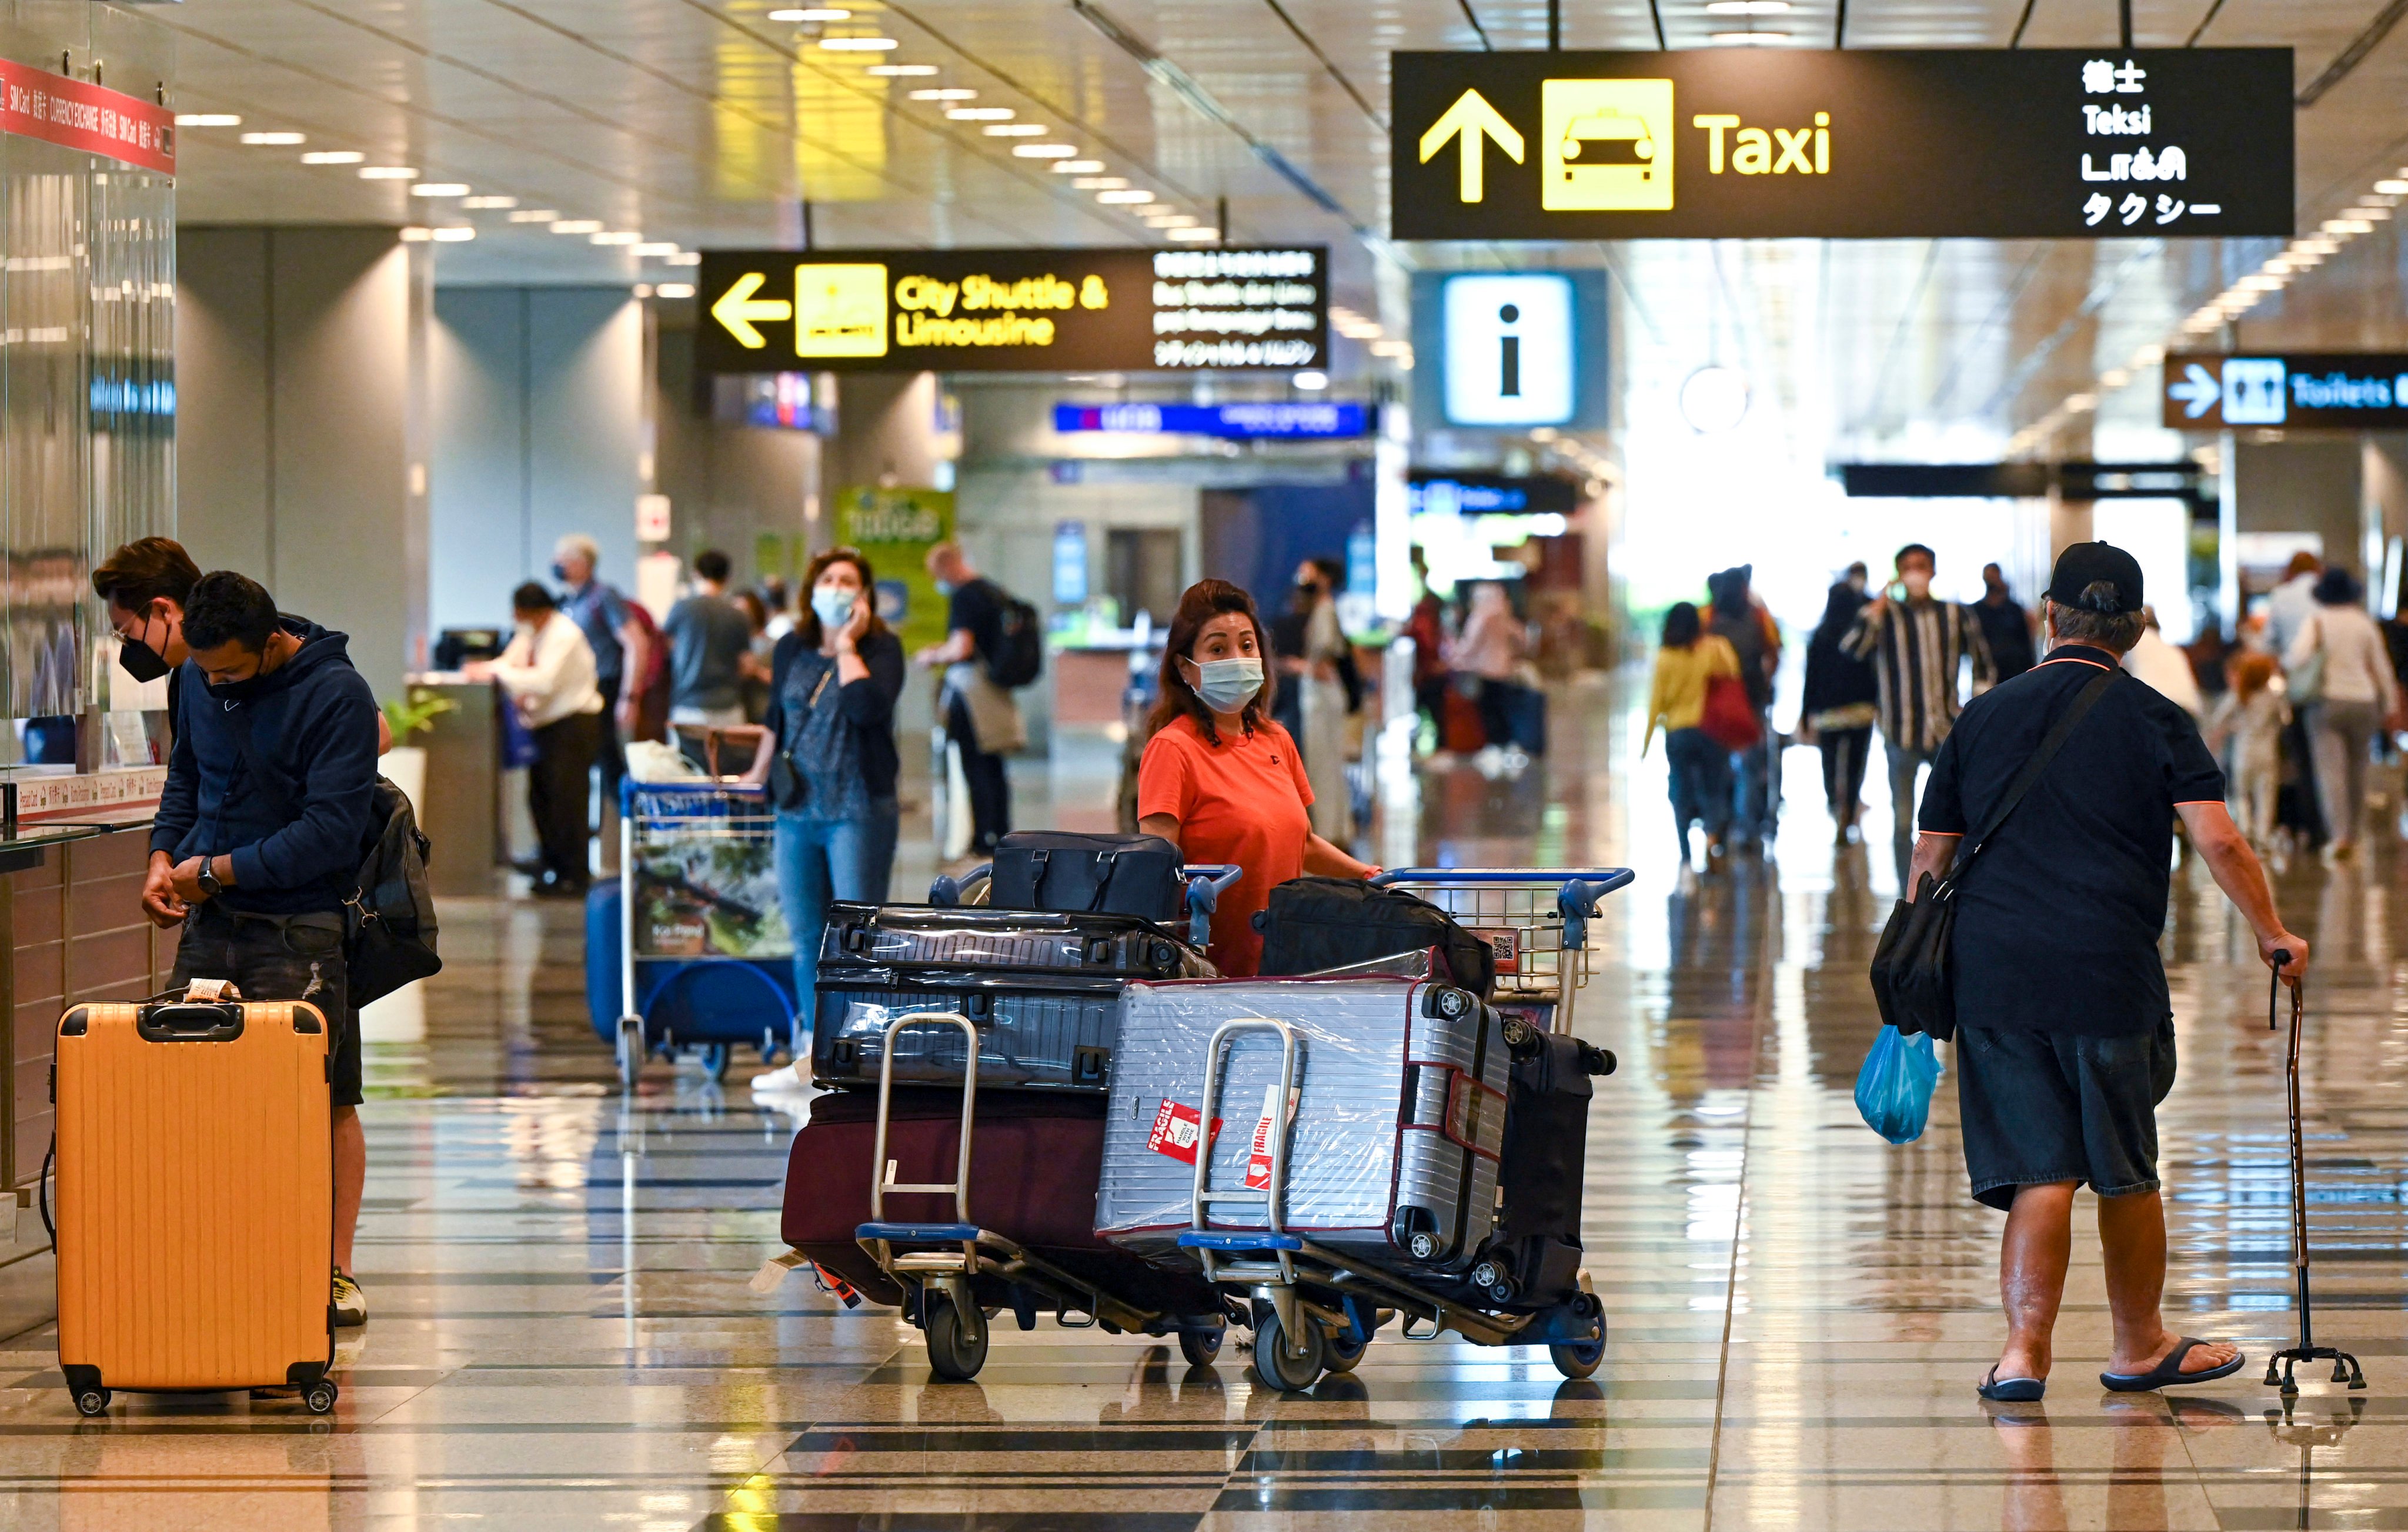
x: 1914, y: 966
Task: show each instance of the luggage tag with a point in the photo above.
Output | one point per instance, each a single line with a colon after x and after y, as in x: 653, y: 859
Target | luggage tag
x: 210, y: 992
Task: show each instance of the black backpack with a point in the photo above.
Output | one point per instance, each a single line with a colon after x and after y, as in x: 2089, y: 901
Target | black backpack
x: 1089, y: 874
x: 1312, y: 924
x: 1019, y: 655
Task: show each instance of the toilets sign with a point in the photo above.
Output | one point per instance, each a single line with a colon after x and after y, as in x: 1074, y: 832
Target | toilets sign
x: 1877, y: 144
x: 2325, y: 391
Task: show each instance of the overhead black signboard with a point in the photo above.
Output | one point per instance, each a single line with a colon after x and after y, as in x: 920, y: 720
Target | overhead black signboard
x: 1181, y: 309
x: 1875, y: 144
x: 2327, y: 390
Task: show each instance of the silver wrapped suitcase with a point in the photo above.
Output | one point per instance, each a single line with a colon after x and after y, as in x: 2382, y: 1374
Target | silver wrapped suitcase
x: 1399, y: 1121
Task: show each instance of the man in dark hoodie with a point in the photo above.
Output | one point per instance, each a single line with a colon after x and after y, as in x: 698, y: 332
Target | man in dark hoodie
x: 260, y: 828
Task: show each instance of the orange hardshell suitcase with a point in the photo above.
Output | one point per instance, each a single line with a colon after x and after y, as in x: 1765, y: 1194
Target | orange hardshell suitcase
x: 195, y: 1199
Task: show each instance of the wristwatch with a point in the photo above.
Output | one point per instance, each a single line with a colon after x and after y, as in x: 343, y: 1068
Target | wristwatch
x: 210, y: 887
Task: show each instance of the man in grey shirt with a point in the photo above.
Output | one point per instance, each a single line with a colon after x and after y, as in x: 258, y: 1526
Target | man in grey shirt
x: 709, y: 638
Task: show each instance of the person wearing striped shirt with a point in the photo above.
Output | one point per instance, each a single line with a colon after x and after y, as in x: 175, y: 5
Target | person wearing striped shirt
x: 1917, y: 645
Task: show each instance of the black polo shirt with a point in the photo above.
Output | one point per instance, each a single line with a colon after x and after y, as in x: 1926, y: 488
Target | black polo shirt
x: 2058, y: 920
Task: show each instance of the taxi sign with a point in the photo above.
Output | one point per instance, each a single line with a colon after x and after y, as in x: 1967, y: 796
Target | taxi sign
x: 1904, y: 143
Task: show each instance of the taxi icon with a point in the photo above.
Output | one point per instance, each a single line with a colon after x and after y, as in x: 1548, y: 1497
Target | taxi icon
x: 1597, y: 139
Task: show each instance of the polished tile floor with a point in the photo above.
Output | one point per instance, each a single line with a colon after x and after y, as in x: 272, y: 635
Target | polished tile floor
x: 565, y: 1337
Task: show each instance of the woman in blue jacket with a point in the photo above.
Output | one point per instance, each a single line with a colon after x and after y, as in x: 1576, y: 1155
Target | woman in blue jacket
x: 829, y: 756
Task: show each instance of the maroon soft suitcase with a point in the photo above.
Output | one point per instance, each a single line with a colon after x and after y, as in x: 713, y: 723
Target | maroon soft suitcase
x: 1035, y: 1161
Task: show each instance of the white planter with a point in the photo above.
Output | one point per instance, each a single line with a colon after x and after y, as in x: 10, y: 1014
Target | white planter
x: 405, y: 767
x: 401, y: 1016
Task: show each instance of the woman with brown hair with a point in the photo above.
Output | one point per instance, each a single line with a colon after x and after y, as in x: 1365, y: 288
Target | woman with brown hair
x: 1220, y: 779
x: 827, y: 753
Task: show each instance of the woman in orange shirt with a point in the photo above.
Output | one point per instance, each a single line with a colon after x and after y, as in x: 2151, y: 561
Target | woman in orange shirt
x: 1222, y: 781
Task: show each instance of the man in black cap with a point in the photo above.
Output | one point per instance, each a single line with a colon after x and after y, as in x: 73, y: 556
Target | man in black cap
x: 2065, y: 1037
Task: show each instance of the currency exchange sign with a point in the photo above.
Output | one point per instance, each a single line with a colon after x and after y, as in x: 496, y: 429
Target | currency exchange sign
x: 1873, y: 144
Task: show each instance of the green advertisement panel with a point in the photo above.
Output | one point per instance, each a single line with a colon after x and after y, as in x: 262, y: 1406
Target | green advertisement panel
x: 895, y: 529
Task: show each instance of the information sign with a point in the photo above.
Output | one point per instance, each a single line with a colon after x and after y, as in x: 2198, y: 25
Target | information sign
x: 1014, y: 311
x: 2350, y: 392
x: 1867, y: 144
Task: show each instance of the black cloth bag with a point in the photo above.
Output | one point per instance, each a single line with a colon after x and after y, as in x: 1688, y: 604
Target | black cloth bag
x: 1089, y: 874
x: 1312, y: 924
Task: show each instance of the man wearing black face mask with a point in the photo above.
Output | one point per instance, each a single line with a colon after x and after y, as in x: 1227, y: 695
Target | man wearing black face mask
x: 261, y: 826
x: 145, y: 585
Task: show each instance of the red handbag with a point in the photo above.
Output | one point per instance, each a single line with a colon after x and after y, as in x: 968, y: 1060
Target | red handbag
x: 1729, y: 719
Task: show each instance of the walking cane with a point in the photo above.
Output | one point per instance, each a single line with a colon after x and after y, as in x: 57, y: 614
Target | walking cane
x: 2344, y: 1364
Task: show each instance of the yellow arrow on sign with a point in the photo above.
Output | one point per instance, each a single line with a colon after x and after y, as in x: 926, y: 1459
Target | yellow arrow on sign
x: 738, y: 309
x: 1471, y: 117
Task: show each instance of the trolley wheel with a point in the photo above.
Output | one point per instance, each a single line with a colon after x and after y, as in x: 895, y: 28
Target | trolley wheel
x: 951, y: 1354
x: 1580, y: 1358
x: 714, y: 1057
x: 1201, y: 1347
x: 1345, y: 1351
x: 321, y: 1396
x: 1275, y: 1368
x: 92, y: 1401
x: 631, y: 1051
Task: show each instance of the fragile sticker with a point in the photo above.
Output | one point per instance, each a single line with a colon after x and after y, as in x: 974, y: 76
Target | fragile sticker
x: 1174, y: 1131
x: 1259, y: 1161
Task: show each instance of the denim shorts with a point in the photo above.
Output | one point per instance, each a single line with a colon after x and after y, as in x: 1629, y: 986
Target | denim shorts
x: 2044, y: 1107
x: 280, y: 957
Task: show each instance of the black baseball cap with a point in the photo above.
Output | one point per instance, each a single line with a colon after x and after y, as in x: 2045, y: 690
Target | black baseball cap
x: 2087, y: 563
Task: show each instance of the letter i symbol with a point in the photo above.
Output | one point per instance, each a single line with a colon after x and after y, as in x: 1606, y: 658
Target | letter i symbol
x: 1509, y: 356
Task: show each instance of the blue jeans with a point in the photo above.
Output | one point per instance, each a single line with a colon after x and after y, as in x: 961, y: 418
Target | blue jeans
x: 1700, y: 785
x: 820, y: 860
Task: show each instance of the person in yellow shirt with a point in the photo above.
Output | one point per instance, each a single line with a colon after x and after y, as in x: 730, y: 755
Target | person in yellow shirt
x: 1701, y: 768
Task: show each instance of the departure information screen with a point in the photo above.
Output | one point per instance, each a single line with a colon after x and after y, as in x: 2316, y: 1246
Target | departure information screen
x: 1197, y: 309
x: 1871, y: 144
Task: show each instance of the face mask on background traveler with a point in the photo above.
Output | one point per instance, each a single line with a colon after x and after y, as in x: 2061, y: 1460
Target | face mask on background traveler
x: 560, y: 571
x: 139, y: 660
x: 833, y: 606
x: 944, y: 587
x: 1227, y: 685
x: 1917, y: 583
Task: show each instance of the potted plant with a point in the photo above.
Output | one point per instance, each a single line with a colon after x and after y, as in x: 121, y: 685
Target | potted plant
x: 404, y: 764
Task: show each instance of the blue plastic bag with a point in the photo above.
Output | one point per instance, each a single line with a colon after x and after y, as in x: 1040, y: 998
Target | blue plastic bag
x: 1894, y: 1088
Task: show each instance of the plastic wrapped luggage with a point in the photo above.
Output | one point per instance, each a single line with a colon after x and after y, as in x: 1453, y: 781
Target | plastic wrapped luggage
x: 195, y: 1201
x: 1398, y: 1118
x: 1043, y: 987
x: 1032, y: 1179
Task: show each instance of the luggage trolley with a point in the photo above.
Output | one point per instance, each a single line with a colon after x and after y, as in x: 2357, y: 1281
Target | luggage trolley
x: 1536, y: 920
x: 704, y: 959
x: 1316, y: 1310
x: 957, y: 1276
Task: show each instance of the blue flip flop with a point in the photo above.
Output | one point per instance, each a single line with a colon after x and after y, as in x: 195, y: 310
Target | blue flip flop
x: 2169, y: 1371
x: 2011, y: 1390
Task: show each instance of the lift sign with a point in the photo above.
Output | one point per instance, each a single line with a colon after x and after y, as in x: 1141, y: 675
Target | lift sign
x: 1873, y: 144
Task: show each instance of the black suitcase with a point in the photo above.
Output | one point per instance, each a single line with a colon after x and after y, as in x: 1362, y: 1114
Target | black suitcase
x: 1532, y: 1258
x: 1313, y: 924
x: 1137, y: 875
x: 1043, y: 988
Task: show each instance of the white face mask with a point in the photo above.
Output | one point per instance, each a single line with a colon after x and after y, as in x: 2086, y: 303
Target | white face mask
x: 1917, y: 583
x: 1227, y: 685
x: 832, y: 606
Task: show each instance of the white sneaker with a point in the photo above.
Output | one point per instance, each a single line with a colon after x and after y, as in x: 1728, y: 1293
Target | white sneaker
x: 785, y: 1080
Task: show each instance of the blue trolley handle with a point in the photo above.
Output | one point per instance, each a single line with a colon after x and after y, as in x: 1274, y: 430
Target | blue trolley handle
x: 946, y: 892
x: 1206, y: 883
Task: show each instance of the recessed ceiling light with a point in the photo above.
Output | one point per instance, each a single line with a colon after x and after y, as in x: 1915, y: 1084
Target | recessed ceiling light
x: 388, y: 172
x: 674, y: 290
x: 1012, y: 130
x: 1044, y: 151
x: 1173, y: 221
x: 1098, y: 184
x: 1748, y: 39
x: 453, y: 236
x: 2113, y: 377
x: 686, y: 258
x: 654, y: 248
x: 945, y: 93
x: 1312, y: 382
x: 913, y: 69
x: 643, y: 290
x: 440, y: 188
x: 813, y: 13
x: 1130, y: 197
x: 1078, y: 167
x: 618, y: 237
x: 275, y: 139
x: 577, y: 225
x: 414, y: 234
x: 1746, y: 8
x: 332, y: 156
x: 535, y: 215
x: 2367, y: 212
x: 208, y: 120
x: 1195, y: 234
x: 490, y: 203
x: 859, y: 45
x: 980, y: 114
